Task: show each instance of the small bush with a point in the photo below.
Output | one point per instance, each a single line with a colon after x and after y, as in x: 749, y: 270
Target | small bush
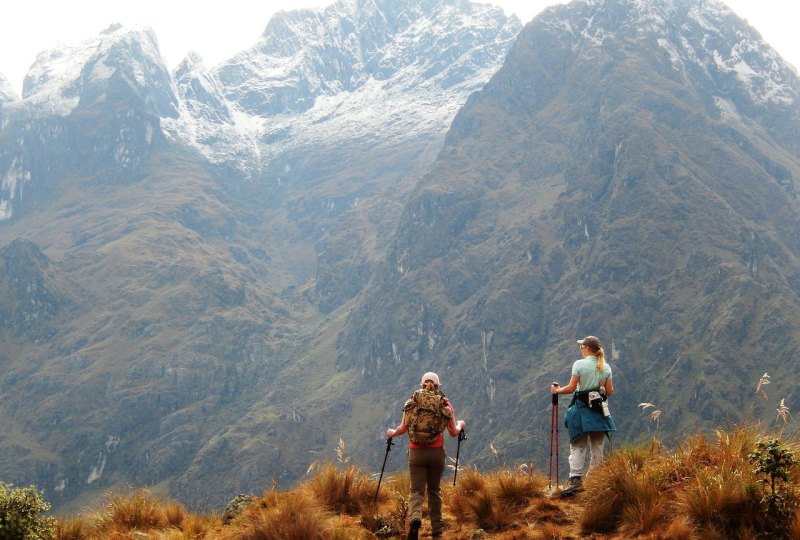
x: 22, y: 514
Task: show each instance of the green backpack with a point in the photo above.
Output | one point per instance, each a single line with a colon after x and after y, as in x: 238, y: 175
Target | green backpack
x: 426, y: 416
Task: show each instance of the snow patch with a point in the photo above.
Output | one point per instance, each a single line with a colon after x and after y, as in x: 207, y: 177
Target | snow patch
x: 97, y: 471
x: 674, y: 55
x: 726, y: 108
x: 14, y: 177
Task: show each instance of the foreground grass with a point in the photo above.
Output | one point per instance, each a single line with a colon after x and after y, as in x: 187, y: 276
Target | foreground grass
x: 709, y: 488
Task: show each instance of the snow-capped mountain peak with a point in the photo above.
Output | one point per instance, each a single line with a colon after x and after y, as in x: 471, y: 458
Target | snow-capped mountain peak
x: 316, y: 77
x: 66, y: 76
x: 695, y: 35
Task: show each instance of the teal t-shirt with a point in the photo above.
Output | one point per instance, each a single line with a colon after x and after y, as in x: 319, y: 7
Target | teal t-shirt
x: 588, y: 376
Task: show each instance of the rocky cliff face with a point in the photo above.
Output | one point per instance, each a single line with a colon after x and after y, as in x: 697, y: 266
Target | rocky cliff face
x: 33, y: 293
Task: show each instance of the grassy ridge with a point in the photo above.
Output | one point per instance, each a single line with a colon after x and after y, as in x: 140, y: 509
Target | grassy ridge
x: 730, y: 484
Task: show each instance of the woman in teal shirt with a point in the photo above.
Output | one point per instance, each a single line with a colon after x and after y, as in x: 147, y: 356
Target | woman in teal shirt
x: 588, y: 420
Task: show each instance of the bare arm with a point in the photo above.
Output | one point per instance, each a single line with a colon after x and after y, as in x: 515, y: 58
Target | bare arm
x: 399, y: 430
x: 573, y: 384
x: 453, y: 427
x: 609, y: 386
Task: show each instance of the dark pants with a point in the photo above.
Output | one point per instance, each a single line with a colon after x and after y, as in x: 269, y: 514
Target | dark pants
x: 426, y: 466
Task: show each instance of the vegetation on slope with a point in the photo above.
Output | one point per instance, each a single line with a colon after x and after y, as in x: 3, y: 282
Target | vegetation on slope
x: 739, y: 483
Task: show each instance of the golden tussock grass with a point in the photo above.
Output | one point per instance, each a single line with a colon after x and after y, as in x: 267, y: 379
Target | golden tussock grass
x: 139, y: 511
x: 291, y: 516
x: 705, y: 489
x: 347, y: 491
x: 497, y: 500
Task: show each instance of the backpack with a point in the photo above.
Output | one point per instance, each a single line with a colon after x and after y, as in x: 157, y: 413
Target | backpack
x: 426, y: 415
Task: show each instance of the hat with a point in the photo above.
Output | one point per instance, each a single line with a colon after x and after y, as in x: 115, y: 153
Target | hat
x: 430, y: 376
x: 591, y: 342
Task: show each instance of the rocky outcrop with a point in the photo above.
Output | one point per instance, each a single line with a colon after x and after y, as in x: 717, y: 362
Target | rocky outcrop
x: 33, y: 290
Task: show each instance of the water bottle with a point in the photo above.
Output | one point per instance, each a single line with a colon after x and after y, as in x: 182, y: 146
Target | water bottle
x: 604, y: 408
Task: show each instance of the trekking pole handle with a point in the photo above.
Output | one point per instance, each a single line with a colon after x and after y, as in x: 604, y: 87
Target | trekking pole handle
x: 555, y: 396
x: 389, y: 444
x: 462, y: 435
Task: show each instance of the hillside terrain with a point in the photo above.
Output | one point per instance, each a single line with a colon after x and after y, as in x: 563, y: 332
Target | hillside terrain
x: 209, y: 277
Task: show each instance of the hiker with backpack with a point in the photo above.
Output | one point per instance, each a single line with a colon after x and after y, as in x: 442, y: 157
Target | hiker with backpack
x: 425, y: 417
x: 588, y: 418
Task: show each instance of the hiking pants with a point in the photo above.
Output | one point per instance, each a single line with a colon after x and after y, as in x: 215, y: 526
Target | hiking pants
x: 594, y: 440
x: 426, y: 466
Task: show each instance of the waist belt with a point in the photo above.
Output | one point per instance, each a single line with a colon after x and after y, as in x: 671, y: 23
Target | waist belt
x: 583, y: 397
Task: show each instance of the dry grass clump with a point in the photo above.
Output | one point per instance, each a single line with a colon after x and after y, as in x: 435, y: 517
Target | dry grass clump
x: 136, y: 512
x: 390, y: 514
x: 139, y: 510
x: 327, y: 506
x: 347, y: 491
x: 288, y: 516
x: 496, y: 500
x: 624, y: 493
x: 703, y: 490
x: 70, y: 529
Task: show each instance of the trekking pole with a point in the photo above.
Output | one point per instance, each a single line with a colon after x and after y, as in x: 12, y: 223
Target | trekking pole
x: 462, y: 436
x: 553, y: 427
x: 389, y: 444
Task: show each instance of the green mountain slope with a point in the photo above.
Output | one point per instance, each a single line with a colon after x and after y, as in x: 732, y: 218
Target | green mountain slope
x: 596, y: 188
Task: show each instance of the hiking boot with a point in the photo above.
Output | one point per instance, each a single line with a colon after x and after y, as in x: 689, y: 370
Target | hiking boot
x: 413, y: 529
x: 574, y: 486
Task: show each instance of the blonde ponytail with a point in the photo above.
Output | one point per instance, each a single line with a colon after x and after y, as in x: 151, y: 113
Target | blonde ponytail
x: 601, y: 359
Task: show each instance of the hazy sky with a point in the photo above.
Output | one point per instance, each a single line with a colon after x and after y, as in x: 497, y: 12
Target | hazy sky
x: 218, y: 30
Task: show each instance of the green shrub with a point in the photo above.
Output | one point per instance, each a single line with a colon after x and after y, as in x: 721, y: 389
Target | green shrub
x: 21, y: 514
x: 774, y: 460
